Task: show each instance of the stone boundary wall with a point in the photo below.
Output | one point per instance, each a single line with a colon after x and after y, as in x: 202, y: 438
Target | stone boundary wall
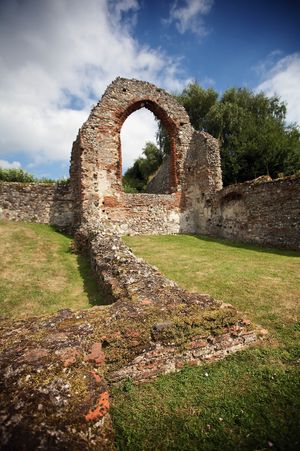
x: 45, y: 203
x: 265, y: 213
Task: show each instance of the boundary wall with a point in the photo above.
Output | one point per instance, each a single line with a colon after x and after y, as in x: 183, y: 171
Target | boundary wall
x: 260, y: 212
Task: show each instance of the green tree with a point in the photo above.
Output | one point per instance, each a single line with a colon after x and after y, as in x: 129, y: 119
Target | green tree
x: 197, y: 101
x: 137, y: 176
x: 254, y: 137
x: 21, y: 176
x: 16, y: 175
x: 292, y: 146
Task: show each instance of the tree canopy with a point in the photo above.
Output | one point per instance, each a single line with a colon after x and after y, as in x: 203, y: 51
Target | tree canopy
x: 137, y: 176
x: 21, y: 176
x: 251, y: 127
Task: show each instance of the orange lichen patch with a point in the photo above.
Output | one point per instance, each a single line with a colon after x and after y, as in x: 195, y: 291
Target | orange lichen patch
x: 101, y: 409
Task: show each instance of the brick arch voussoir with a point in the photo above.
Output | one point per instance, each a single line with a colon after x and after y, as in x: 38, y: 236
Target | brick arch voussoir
x: 158, y: 111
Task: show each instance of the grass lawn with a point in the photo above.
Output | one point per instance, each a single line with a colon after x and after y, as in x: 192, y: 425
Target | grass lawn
x: 251, y: 400
x: 39, y: 273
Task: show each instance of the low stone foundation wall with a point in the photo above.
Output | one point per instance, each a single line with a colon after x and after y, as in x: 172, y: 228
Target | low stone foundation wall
x: 261, y: 212
x: 46, y: 203
x: 164, y: 327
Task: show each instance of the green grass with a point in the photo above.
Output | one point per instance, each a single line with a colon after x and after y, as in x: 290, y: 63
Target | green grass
x: 250, y: 401
x: 40, y: 274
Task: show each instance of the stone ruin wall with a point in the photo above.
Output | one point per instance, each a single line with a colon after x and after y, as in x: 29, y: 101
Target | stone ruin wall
x: 45, y: 203
x: 137, y: 285
x: 190, y: 199
x: 260, y: 212
x: 265, y: 213
x: 144, y: 214
x: 96, y: 164
x: 65, y: 363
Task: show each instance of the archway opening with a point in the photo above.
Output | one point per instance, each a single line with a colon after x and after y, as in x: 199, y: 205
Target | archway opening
x: 145, y: 153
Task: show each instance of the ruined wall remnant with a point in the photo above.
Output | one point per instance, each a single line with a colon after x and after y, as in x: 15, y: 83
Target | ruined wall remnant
x: 266, y: 213
x: 163, y: 313
x: 184, y: 196
x: 45, y: 203
x: 96, y: 162
x: 144, y: 214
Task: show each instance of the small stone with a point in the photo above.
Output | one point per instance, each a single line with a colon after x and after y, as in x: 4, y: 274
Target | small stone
x: 96, y: 354
x: 65, y: 313
x: 101, y: 408
x: 263, y: 332
x: 68, y: 356
x: 158, y: 327
x: 34, y: 355
x: 225, y: 305
x: 146, y: 302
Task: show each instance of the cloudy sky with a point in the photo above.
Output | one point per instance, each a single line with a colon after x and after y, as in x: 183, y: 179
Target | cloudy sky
x: 58, y: 56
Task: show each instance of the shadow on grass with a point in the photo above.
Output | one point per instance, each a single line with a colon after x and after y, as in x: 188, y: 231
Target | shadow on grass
x: 90, y: 286
x: 249, y: 247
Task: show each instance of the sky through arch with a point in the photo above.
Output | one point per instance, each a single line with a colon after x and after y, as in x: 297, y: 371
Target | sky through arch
x: 139, y: 127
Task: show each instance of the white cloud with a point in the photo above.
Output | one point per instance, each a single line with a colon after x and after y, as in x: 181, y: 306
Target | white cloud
x: 189, y: 17
x: 4, y: 164
x: 283, y: 79
x: 58, y: 54
x: 138, y: 128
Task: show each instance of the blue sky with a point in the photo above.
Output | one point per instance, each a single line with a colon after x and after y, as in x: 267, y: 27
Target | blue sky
x: 58, y: 56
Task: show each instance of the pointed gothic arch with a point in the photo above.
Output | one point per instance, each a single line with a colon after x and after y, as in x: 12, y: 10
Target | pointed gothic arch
x: 96, y: 162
